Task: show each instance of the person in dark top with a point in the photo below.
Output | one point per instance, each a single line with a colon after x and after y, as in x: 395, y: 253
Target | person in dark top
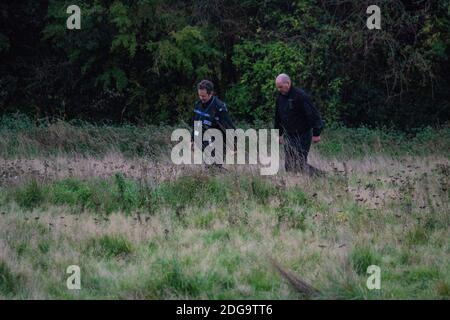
x: 211, y: 112
x: 299, y: 123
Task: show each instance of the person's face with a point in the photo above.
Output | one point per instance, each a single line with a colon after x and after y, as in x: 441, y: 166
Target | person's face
x: 283, y: 86
x: 204, y: 96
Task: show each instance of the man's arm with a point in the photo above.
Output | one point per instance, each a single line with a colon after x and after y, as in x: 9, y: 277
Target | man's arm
x: 313, y: 116
x: 192, y: 129
x: 193, y: 126
x: 277, y: 122
x: 224, y: 121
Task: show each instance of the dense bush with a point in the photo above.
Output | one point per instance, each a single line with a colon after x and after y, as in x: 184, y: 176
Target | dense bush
x: 140, y: 60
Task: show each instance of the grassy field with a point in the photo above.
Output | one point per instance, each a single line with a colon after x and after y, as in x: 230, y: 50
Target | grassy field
x: 108, y: 200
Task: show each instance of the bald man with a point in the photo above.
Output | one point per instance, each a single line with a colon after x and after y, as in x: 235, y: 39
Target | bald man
x: 299, y: 123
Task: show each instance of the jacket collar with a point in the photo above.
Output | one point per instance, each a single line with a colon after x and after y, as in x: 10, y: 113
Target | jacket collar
x: 208, y: 103
x: 289, y: 93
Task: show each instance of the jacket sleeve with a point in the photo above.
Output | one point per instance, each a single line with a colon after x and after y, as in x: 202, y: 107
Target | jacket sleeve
x: 192, y: 128
x: 224, y: 118
x: 224, y: 121
x: 197, y: 103
x: 277, y: 122
x: 314, y: 119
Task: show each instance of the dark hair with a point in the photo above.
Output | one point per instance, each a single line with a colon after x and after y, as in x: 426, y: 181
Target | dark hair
x: 206, y: 85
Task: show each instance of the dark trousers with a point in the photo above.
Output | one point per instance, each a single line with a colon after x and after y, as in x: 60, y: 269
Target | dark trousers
x: 296, y: 148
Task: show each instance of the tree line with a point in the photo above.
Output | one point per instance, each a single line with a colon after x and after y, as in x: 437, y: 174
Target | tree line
x: 138, y: 61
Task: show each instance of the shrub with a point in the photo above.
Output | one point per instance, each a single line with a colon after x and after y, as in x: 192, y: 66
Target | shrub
x: 110, y: 246
x: 30, y: 195
x: 363, y: 257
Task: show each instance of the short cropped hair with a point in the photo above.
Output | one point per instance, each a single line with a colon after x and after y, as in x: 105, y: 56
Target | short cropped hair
x: 283, y: 78
x: 206, y: 85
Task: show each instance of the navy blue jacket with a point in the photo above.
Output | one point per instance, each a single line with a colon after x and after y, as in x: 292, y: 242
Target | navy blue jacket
x: 213, y: 115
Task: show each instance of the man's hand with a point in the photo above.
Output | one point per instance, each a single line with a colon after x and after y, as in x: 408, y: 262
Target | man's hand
x: 281, y: 140
x: 316, y: 139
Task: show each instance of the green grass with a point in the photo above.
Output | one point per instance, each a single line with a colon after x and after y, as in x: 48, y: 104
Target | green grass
x: 30, y: 195
x: 110, y: 246
x: 362, y: 258
x: 215, y: 246
x: 349, y: 143
x: 10, y: 282
x: 121, y: 194
x: 22, y: 137
x: 195, y: 235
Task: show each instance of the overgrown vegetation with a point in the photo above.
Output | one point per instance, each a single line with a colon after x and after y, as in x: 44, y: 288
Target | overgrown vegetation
x: 213, y: 237
x: 141, y: 228
x: 20, y: 136
x: 139, y: 61
x: 85, y: 124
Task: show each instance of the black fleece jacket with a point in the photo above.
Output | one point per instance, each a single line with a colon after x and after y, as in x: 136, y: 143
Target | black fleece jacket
x: 296, y: 114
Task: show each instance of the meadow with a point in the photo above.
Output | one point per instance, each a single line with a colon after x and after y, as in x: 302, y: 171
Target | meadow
x: 108, y: 199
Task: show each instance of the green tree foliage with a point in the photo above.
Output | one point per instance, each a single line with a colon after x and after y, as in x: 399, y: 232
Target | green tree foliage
x: 257, y: 63
x: 139, y: 60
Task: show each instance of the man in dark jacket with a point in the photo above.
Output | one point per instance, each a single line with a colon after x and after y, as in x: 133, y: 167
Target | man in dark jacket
x: 210, y: 113
x: 299, y: 123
